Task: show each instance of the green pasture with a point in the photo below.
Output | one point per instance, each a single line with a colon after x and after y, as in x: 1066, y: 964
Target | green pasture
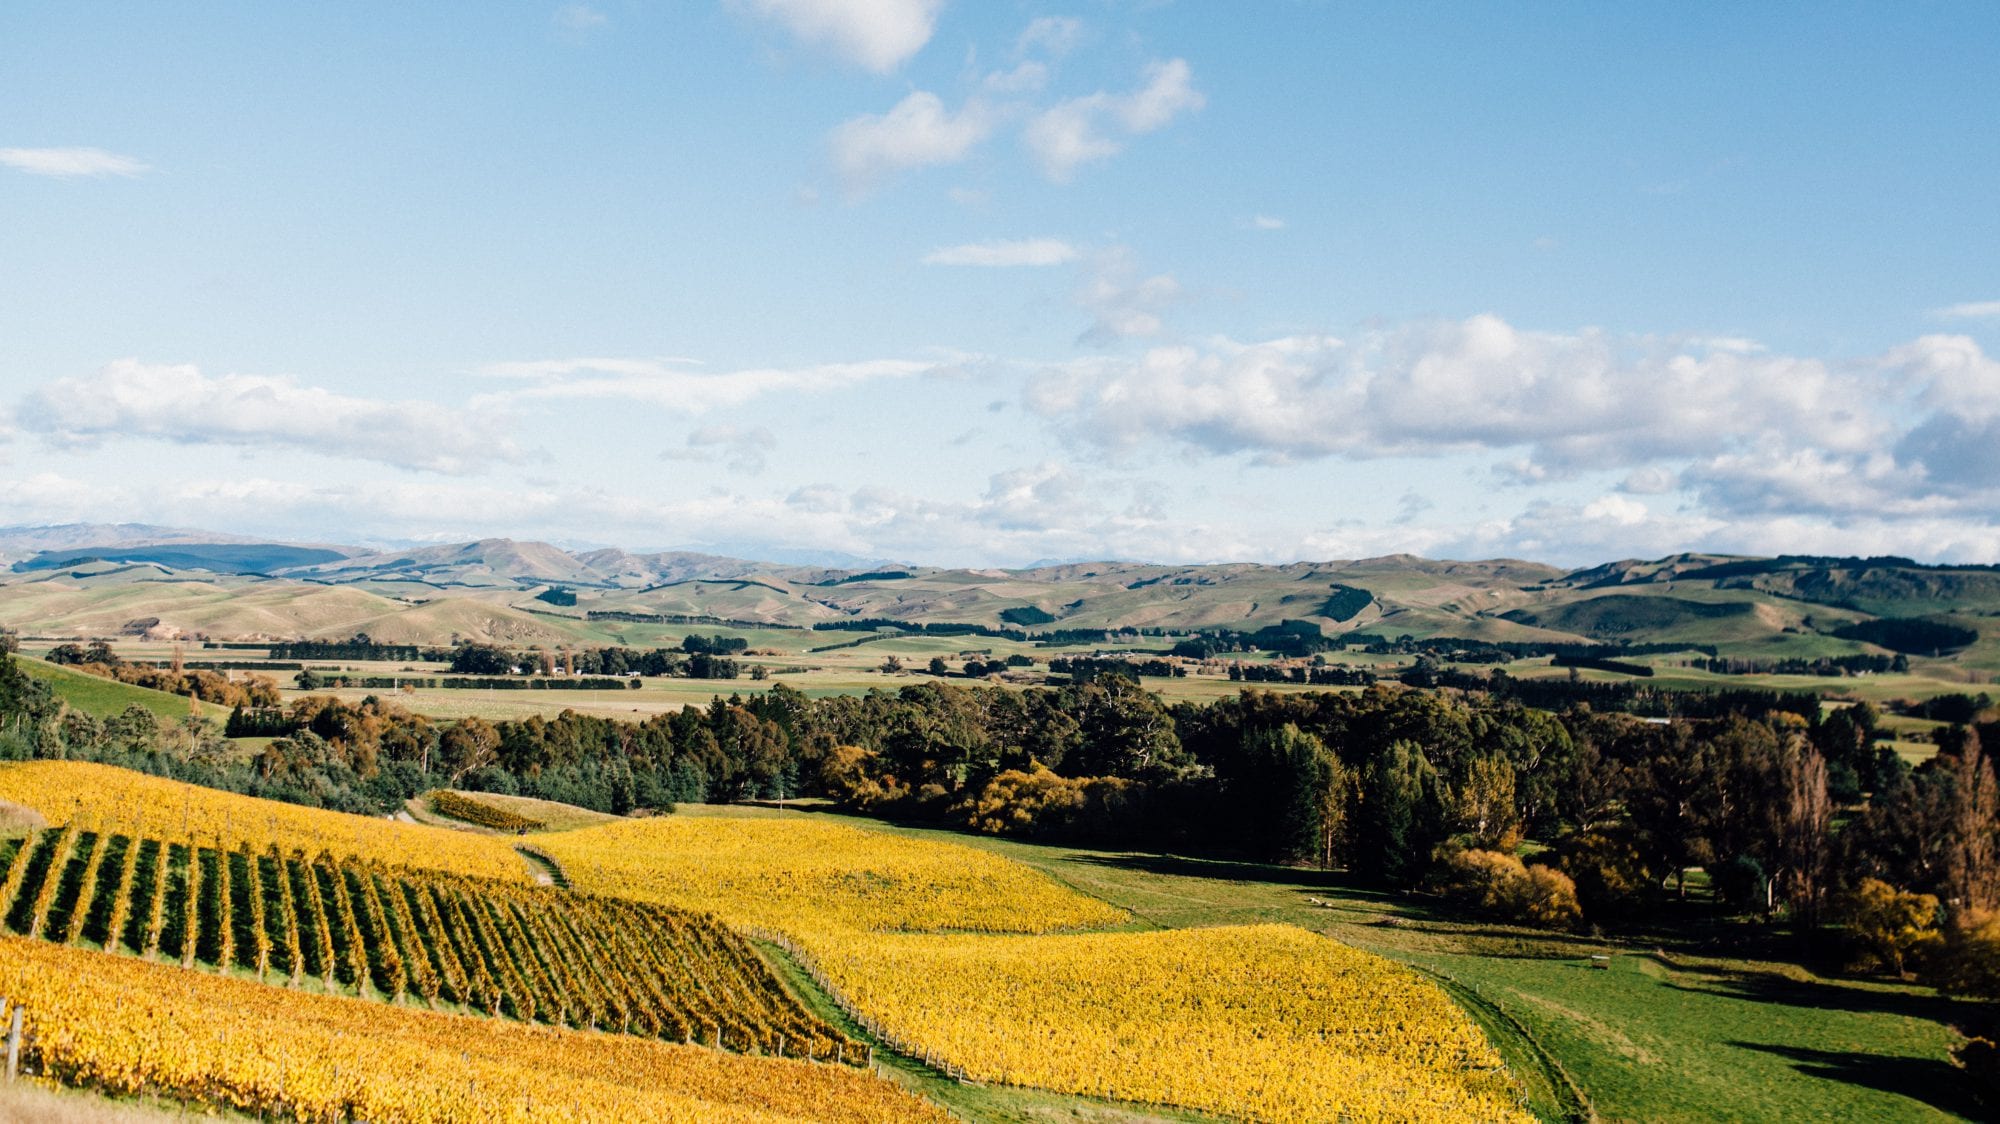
x: 102, y: 698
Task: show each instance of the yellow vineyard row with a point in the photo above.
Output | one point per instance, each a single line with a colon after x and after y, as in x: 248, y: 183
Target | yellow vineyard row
x: 797, y: 874
x: 124, y: 1025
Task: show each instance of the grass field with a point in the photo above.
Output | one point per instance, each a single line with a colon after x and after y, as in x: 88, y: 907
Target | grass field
x: 847, y: 668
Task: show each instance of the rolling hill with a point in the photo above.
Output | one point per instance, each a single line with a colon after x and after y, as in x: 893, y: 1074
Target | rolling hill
x: 490, y: 590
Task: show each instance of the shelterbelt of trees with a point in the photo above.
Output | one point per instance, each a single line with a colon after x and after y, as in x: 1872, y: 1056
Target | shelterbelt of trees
x: 1803, y: 818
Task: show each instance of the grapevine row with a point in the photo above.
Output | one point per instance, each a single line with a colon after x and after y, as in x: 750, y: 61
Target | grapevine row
x: 472, y: 810
x: 413, y: 938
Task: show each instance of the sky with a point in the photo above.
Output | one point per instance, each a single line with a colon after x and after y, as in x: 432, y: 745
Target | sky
x: 987, y: 284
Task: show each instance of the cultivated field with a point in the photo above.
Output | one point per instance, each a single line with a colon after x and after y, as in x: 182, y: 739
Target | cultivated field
x: 974, y: 962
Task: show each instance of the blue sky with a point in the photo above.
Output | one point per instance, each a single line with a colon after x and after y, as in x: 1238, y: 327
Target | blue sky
x: 983, y: 284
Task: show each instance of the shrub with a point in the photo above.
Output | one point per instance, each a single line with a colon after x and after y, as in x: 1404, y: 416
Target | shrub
x: 1888, y: 925
x: 1042, y: 804
x: 1606, y: 870
x: 1499, y: 886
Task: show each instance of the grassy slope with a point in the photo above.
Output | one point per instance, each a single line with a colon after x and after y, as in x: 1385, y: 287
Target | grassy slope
x: 103, y: 698
x: 1654, y: 1038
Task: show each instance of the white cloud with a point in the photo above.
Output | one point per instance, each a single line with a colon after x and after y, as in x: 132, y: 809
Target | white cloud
x: 1575, y: 401
x: 52, y: 497
x: 178, y: 403
x: 742, y: 449
x: 1912, y: 435
x: 878, y: 35
x: 1054, y: 36
x: 1970, y: 310
x: 1169, y: 91
x: 71, y: 163
x: 695, y: 392
x: 1088, y: 129
x: 1266, y: 222
x: 1065, y: 137
x: 1959, y: 377
x: 1779, y: 479
x: 918, y: 132
x: 579, y: 17
x: 1123, y: 304
x: 1026, y: 251
x: 1617, y: 509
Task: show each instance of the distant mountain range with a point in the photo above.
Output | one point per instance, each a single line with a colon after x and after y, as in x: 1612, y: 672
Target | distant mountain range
x: 93, y: 579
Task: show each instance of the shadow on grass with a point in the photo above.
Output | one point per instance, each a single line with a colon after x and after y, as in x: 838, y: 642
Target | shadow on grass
x: 1227, y: 870
x: 1938, y: 1084
x: 1765, y: 987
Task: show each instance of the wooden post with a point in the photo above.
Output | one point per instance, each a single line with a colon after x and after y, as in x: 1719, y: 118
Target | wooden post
x: 14, y: 1044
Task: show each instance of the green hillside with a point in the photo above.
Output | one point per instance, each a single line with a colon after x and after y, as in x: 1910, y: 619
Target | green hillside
x: 102, y: 698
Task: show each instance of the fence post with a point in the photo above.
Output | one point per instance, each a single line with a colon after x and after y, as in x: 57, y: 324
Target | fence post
x: 14, y: 1044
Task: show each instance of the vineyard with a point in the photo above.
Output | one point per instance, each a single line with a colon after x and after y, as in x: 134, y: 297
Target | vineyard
x: 983, y: 967
x: 1266, y: 1022
x: 973, y: 963
x: 124, y: 1025
x: 155, y: 808
x: 796, y: 875
x: 472, y: 810
x: 408, y: 936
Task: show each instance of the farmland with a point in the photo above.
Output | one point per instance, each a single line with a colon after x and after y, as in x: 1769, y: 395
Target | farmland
x: 825, y: 631
x: 1267, y: 1023
x: 1091, y: 975
x: 868, y: 907
x: 910, y: 928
